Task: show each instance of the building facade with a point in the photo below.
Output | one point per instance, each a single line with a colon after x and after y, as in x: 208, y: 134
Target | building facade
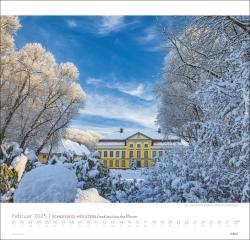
x: 119, y: 149
x: 77, y: 150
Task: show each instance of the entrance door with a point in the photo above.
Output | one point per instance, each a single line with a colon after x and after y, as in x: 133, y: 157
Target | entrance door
x: 138, y: 160
x: 138, y: 163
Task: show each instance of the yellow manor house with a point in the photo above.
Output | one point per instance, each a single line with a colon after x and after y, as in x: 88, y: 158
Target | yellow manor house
x: 118, y: 149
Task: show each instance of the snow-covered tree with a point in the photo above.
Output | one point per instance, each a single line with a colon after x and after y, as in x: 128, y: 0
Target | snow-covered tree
x: 39, y: 97
x: 9, y: 26
x: 205, y: 99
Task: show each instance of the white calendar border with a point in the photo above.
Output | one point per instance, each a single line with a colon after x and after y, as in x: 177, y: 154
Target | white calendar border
x: 234, y: 211
x: 232, y: 7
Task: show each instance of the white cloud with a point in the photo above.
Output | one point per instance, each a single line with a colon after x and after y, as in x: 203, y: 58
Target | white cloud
x: 137, y: 91
x: 111, y: 24
x: 132, y: 89
x: 157, y: 48
x: 59, y: 43
x: 108, y: 106
x: 94, y: 81
x: 152, y: 40
x: 150, y: 34
x: 72, y: 23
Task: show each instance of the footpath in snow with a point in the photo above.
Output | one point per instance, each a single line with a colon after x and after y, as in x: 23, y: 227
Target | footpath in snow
x: 129, y: 174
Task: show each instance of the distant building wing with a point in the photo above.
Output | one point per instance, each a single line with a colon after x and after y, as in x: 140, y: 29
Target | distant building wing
x: 66, y: 145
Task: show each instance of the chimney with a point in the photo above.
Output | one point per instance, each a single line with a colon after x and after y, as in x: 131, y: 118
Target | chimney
x: 159, y: 130
x: 121, y: 130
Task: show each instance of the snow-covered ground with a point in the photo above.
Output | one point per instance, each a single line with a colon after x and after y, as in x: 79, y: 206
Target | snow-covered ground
x: 129, y: 174
x: 89, y: 196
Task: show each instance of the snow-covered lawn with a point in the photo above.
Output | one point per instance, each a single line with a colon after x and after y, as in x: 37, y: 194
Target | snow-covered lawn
x: 129, y: 174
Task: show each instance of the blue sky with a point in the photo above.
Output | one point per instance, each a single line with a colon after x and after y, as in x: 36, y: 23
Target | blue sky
x: 120, y: 60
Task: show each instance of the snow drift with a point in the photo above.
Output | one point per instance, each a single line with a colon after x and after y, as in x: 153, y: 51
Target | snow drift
x: 50, y: 183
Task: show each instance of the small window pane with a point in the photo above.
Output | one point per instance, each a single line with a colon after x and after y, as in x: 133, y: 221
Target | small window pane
x: 111, y: 153
x: 123, y: 163
x: 111, y: 163
x: 154, y: 153
x: 105, y: 163
x: 105, y: 153
x: 123, y: 154
x: 117, y: 154
x: 117, y: 163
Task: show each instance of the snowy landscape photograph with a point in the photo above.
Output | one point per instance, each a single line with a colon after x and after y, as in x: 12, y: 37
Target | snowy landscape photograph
x: 124, y: 109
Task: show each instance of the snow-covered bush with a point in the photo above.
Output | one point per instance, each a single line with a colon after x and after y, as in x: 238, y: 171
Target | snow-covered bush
x: 188, y: 176
x: 132, y: 164
x: 32, y: 160
x: 90, y: 172
x: 9, y: 151
x: 51, y: 183
x: 8, y: 182
x: 123, y: 190
x: 12, y: 166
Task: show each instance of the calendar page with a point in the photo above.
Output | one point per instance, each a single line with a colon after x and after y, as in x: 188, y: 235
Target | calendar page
x: 125, y: 221
x: 124, y: 119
